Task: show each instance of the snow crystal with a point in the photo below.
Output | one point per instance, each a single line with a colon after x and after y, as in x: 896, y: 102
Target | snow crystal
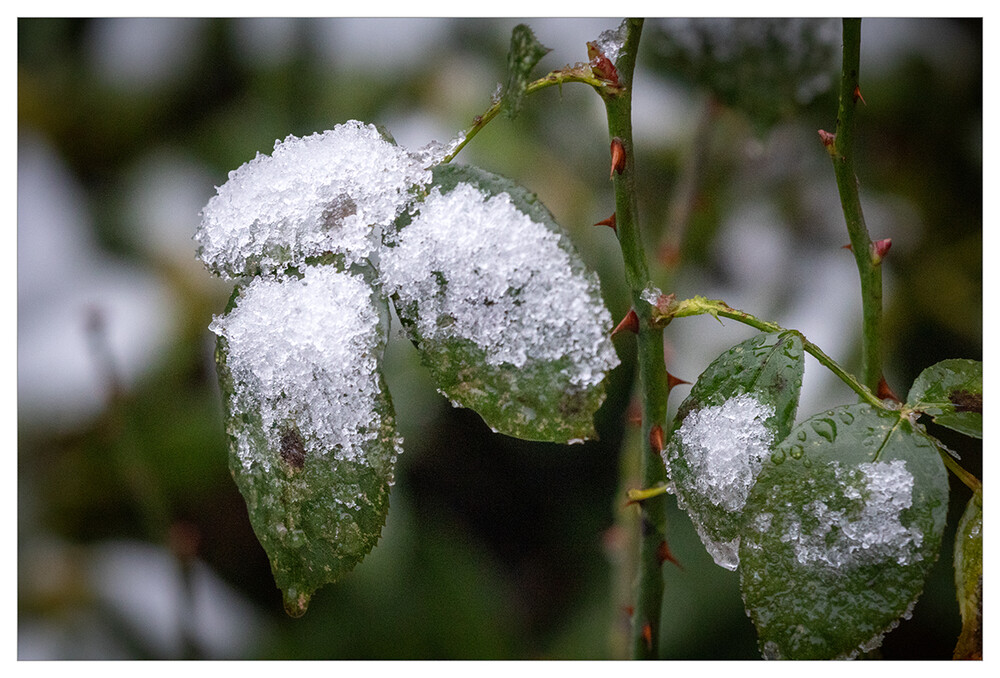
x: 651, y: 294
x: 869, y: 530
x: 303, y: 356
x: 479, y: 269
x: 725, y: 446
x: 329, y: 192
x: 611, y: 42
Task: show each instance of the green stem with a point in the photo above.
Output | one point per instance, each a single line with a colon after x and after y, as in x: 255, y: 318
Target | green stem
x: 716, y: 308
x: 841, y: 149
x: 653, y: 383
x: 557, y: 77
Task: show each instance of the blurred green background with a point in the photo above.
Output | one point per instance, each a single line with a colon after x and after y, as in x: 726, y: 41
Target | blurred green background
x: 132, y: 539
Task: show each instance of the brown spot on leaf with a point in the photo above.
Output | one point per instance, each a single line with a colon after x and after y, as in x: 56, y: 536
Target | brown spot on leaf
x: 293, y: 449
x: 966, y: 401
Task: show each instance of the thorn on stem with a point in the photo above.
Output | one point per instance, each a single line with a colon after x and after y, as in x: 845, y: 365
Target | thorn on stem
x: 656, y: 439
x: 848, y: 246
x: 647, y: 635
x: 633, y: 414
x: 674, y: 381
x: 610, y: 221
x: 857, y: 95
x: 664, y: 554
x: 629, y: 323
x: 617, y: 157
x: 884, y: 392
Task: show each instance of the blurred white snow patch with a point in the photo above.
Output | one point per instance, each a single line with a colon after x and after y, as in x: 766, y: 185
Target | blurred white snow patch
x: 143, y: 584
x: 662, y: 114
x: 379, y: 44
x: 826, y: 307
x: 754, y: 249
x: 141, y: 53
x: 65, y: 285
x: 164, y: 200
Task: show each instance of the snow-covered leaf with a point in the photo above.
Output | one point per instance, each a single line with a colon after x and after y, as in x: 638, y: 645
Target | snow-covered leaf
x: 739, y: 408
x: 951, y: 392
x: 525, y: 52
x: 501, y: 307
x: 327, y: 193
x: 840, y: 531
x: 969, y: 579
x: 310, y: 423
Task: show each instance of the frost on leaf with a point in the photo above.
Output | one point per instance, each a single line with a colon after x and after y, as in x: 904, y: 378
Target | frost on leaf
x: 736, y: 412
x: 327, y: 193
x: 310, y: 423
x: 501, y: 307
x: 841, y: 529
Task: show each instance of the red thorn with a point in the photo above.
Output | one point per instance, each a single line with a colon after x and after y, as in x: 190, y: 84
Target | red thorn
x: 628, y: 610
x: 857, y: 95
x: 629, y: 323
x: 879, y: 249
x: 610, y: 221
x: 827, y: 139
x: 848, y: 246
x: 647, y: 635
x: 884, y: 392
x: 674, y: 381
x: 664, y: 554
x: 656, y: 438
x: 617, y: 156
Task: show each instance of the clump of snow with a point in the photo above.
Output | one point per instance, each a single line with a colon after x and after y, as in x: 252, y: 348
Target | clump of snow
x: 869, y: 530
x: 303, y: 354
x: 611, y: 42
x: 724, y: 447
x: 330, y: 192
x: 477, y: 268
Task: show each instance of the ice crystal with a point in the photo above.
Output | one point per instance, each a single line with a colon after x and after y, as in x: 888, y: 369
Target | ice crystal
x: 868, y: 529
x: 725, y: 446
x: 303, y: 356
x: 479, y: 269
x: 327, y: 193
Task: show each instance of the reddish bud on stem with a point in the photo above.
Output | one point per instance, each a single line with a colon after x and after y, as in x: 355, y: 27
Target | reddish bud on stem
x: 629, y: 323
x: 879, y: 249
x: 617, y: 157
x: 610, y: 221
x: 656, y: 438
x: 827, y: 139
x: 601, y: 65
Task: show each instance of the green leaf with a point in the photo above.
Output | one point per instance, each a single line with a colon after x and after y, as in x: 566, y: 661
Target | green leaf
x: 969, y: 579
x: 501, y: 307
x: 310, y: 424
x: 525, y: 53
x: 739, y: 408
x: 951, y: 392
x: 841, y: 529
